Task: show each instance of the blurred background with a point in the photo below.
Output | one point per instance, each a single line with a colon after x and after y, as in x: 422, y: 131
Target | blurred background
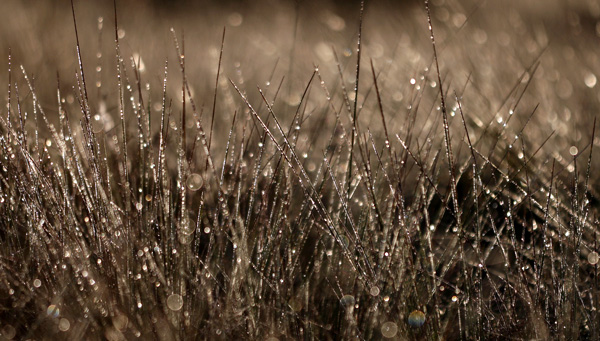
x: 487, y: 45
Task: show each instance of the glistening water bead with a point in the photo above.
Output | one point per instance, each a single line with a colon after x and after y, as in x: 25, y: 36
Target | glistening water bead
x: 389, y: 329
x: 593, y: 258
x: 416, y: 318
x: 347, y: 301
x: 175, y: 302
x: 8, y: 332
x: 97, y: 123
x: 53, y: 311
x: 194, y: 182
x: 64, y: 324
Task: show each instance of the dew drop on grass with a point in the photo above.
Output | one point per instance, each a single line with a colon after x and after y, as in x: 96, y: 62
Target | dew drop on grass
x: 573, y: 150
x: 8, y: 332
x: 296, y: 304
x: 374, y: 291
x: 335, y: 22
x: 97, y: 123
x: 53, y: 311
x: 120, y: 322
x: 37, y: 283
x: 416, y: 318
x: 235, y: 19
x: 185, y: 239
x: 175, y: 302
x: 194, y: 182
x: 389, y: 329
x: 590, y: 80
x: 344, y: 240
x: 593, y: 258
x: 347, y: 301
x: 64, y: 325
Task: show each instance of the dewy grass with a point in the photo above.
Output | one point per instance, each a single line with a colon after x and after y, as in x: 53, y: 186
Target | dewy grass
x: 382, y: 182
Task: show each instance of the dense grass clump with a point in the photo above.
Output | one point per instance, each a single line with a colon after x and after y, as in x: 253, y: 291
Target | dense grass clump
x: 373, y: 171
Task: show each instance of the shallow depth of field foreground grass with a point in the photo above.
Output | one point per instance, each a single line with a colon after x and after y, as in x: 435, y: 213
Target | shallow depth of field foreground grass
x: 286, y: 170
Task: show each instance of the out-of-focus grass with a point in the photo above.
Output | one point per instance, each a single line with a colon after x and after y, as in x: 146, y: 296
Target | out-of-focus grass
x: 128, y: 211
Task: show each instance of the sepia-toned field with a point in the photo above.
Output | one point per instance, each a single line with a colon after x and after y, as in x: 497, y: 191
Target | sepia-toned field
x: 282, y: 170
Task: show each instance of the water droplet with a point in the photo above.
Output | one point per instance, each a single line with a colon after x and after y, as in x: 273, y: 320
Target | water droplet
x: 8, y: 332
x: 347, y: 301
x: 120, y: 321
x: 593, y: 258
x: 194, y: 182
x: 335, y: 22
x: 573, y: 150
x: 235, y: 19
x: 454, y: 298
x: 175, y: 302
x: 374, y: 291
x: 416, y: 318
x: 37, y: 283
x: 97, y: 123
x: 185, y: 239
x: 295, y: 303
x: 64, y: 325
x: 389, y: 329
x: 590, y: 80
x: 53, y: 311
